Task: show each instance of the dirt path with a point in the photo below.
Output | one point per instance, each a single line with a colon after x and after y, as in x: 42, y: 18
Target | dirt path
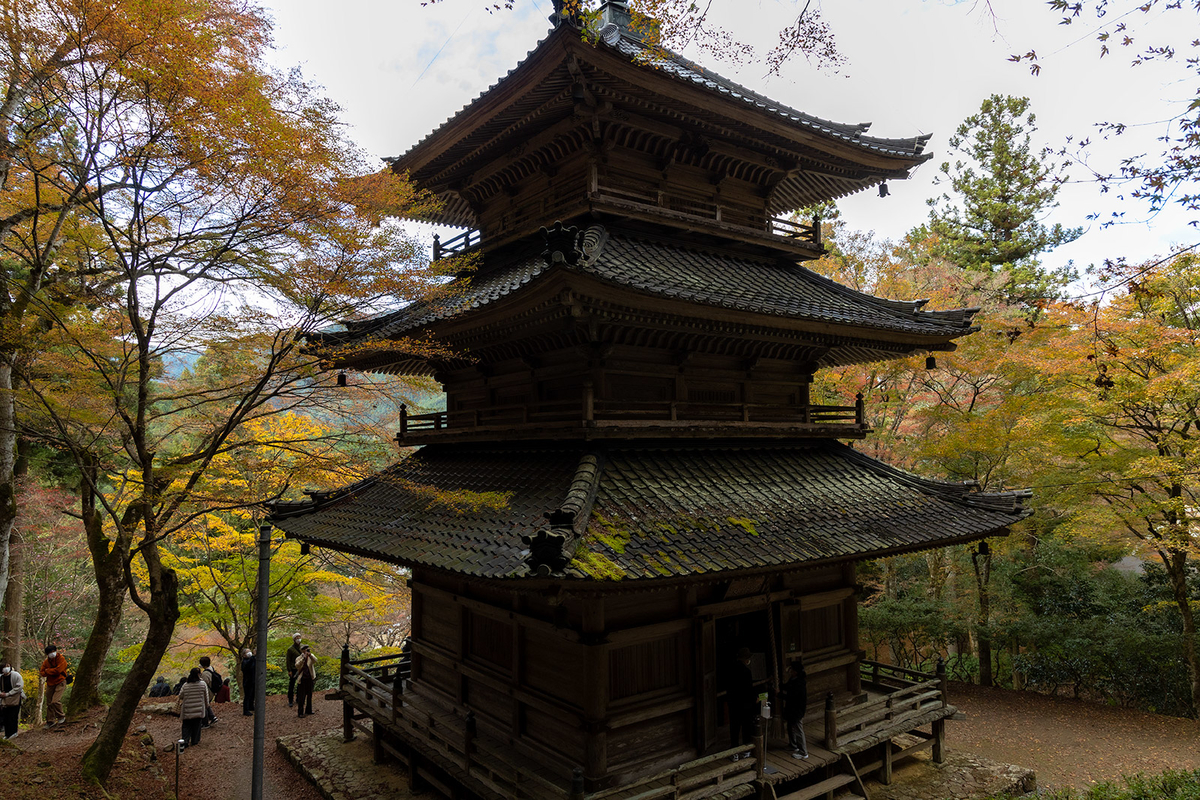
x: 1069, y: 742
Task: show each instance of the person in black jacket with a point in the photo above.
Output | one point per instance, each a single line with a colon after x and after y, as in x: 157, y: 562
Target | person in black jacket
x: 160, y: 688
x: 249, y: 674
x: 795, y: 703
x: 743, y: 702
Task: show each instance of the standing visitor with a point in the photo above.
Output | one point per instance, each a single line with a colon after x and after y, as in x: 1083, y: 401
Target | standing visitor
x: 212, y: 680
x: 249, y: 663
x: 743, y: 702
x: 306, y: 666
x: 193, y: 707
x: 293, y: 653
x: 12, y: 692
x: 55, y: 671
x: 795, y: 703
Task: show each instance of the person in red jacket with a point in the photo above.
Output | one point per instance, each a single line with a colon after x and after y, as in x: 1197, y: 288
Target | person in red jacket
x: 54, y: 670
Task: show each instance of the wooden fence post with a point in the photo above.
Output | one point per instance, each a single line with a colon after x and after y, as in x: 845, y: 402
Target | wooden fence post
x: 941, y: 676
x: 577, y: 784
x: 830, y: 723
x: 760, y: 749
x: 347, y: 709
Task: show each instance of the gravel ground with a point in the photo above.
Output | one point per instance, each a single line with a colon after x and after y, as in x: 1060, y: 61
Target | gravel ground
x: 1069, y: 742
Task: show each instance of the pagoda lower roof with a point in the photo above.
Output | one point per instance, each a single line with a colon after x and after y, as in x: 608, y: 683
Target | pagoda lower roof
x: 641, y: 512
x: 709, y: 278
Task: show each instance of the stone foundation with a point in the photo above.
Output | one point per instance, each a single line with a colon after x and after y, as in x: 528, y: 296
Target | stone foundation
x: 961, y: 776
x: 343, y: 770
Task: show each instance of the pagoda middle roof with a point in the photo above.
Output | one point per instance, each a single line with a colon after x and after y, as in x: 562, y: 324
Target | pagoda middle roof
x: 645, y: 512
x: 714, y: 279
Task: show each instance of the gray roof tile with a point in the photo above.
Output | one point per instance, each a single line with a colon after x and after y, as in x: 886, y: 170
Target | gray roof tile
x: 657, y: 511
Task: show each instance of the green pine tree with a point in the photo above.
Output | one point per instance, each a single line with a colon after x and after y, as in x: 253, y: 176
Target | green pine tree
x: 1000, y: 190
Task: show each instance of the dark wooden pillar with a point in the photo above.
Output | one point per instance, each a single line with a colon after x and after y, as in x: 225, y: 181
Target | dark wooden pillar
x: 347, y: 708
x: 939, y: 741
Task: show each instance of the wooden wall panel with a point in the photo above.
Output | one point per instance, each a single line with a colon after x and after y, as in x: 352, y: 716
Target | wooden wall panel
x: 556, y: 734
x: 490, y: 641
x: 439, y: 676
x: 644, y: 667
x: 441, y: 623
x: 487, y: 702
x: 553, y: 666
x: 652, y: 739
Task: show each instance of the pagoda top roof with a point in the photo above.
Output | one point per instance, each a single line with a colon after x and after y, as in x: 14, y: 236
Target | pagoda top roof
x: 538, y: 91
x: 622, y: 512
x: 661, y: 268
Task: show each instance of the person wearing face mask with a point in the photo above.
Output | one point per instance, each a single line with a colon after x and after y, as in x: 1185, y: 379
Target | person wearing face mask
x: 12, y: 692
x: 54, y: 670
x: 249, y: 665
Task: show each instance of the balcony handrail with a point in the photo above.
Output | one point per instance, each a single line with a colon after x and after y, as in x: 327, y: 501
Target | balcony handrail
x: 895, y: 709
x: 784, y: 227
x: 588, y: 410
x: 456, y: 245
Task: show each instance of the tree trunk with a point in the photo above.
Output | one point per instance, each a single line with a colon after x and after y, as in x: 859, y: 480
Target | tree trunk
x: 1176, y: 563
x: 8, y: 478
x: 108, y: 558
x: 14, y: 600
x: 163, y: 611
x: 982, y: 560
x: 14, y: 595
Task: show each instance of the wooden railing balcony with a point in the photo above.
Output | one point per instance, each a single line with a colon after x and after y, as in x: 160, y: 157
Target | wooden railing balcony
x: 376, y: 687
x: 590, y: 417
x: 457, y: 245
x: 746, y: 223
x: 904, y: 700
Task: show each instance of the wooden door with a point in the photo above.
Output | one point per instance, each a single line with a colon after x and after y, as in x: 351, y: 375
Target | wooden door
x: 706, y: 719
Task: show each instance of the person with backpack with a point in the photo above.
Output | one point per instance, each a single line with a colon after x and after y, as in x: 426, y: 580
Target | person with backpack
x: 160, y: 688
x: 12, y: 692
x: 57, y: 674
x: 212, y: 681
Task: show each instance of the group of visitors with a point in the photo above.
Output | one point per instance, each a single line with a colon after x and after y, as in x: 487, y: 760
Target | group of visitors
x: 57, y: 674
x: 744, y: 704
x: 204, y: 686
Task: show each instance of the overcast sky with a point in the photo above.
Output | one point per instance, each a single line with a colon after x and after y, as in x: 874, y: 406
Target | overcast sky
x: 398, y: 70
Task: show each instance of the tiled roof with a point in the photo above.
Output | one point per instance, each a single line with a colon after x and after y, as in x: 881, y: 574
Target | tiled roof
x: 708, y: 278
x: 643, y: 512
x: 631, y: 45
x: 670, y: 63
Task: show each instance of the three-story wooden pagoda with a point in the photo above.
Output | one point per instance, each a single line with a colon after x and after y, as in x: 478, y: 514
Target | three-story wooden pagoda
x: 630, y: 480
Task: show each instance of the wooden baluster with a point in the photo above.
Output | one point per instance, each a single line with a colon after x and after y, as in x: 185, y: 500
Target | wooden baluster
x: 437, y: 247
x: 830, y: 723
x: 941, y: 676
x: 816, y: 229
x: 860, y: 413
x: 468, y: 738
x: 577, y: 784
x: 397, y: 694
x: 347, y: 709
x: 589, y: 401
x: 403, y: 421
x: 760, y: 748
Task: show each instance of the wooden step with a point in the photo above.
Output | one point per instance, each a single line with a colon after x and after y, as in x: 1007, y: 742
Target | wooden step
x: 818, y: 789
